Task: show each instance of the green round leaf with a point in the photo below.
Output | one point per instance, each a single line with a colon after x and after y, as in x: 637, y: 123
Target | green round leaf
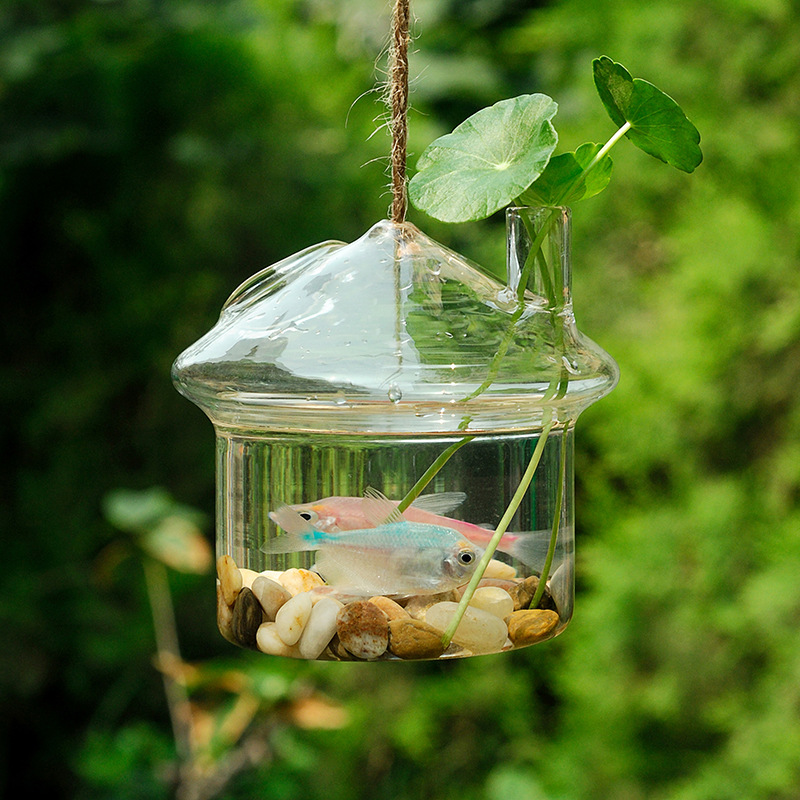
x: 487, y: 161
x: 657, y: 124
x: 563, y: 181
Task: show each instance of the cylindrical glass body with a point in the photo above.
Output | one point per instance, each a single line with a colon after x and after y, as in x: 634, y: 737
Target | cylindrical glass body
x: 350, y: 378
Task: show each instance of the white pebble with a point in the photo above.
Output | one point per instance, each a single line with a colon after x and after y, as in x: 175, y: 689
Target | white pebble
x: 494, y: 600
x: 300, y: 580
x: 248, y: 576
x: 292, y: 617
x: 320, y: 628
x: 499, y: 569
x: 272, y: 574
x: 270, y: 594
x: 269, y: 642
x: 478, y: 631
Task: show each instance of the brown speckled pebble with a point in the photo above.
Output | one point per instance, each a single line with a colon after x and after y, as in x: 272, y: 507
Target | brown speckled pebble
x: 335, y: 651
x: 363, y: 629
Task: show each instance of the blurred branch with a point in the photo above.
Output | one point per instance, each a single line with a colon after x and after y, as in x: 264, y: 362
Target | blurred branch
x: 168, y: 654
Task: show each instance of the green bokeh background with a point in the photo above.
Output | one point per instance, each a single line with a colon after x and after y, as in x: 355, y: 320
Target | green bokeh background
x: 155, y: 154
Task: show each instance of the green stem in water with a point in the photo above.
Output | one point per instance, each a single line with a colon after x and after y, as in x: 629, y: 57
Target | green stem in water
x: 551, y: 549
x: 427, y: 477
x: 516, y: 500
x: 530, y: 261
x: 555, y: 389
x: 547, y: 284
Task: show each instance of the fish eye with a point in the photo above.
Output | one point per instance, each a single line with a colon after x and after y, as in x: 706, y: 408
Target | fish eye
x: 309, y: 516
x: 466, y: 557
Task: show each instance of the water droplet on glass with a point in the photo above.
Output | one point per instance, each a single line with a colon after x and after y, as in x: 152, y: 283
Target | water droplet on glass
x: 395, y: 395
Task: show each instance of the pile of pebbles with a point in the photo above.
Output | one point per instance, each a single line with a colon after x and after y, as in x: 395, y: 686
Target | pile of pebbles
x: 293, y: 613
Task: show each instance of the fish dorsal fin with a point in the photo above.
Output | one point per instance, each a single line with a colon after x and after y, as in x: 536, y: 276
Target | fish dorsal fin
x: 378, y: 509
x: 442, y: 503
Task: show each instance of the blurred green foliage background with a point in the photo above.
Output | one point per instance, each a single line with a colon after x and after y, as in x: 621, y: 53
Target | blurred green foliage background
x: 154, y: 153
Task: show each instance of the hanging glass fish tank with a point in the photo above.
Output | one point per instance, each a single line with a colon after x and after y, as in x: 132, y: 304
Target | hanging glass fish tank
x: 394, y: 424
x: 395, y: 446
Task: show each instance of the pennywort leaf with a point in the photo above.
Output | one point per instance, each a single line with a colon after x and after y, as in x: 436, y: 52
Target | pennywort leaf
x: 563, y: 180
x: 166, y: 530
x: 657, y: 124
x: 487, y: 161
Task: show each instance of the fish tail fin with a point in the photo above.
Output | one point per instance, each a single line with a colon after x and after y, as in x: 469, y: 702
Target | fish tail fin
x: 299, y: 536
x: 531, y: 547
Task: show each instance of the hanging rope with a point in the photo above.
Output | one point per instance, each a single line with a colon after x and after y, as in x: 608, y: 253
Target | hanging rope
x: 398, y: 103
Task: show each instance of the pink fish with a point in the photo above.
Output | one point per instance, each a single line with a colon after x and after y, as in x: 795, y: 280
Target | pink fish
x: 333, y: 514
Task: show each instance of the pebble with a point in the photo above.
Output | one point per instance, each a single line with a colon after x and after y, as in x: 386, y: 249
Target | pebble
x: 320, y: 628
x: 499, y: 569
x: 230, y: 579
x: 529, y: 626
x: 298, y: 581
x: 292, y: 617
x: 363, y: 629
x: 224, y: 617
x: 247, y: 616
x: 414, y: 639
x: 457, y: 651
x: 389, y: 607
x: 336, y: 651
x: 272, y: 574
x: 493, y: 599
x: 270, y: 594
x: 523, y: 593
x: 294, y: 614
x: 248, y: 576
x: 478, y: 631
x: 418, y: 605
x: 268, y: 641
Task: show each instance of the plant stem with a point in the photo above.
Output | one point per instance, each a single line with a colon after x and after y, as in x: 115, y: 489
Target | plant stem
x: 551, y: 549
x: 516, y: 500
x: 603, y: 151
x: 166, y: 634
x: 555, y: 390
x: 442, y: 459
x: 530, y: 260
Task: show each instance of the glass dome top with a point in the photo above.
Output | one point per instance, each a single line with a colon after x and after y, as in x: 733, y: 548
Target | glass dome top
x: 391, y: 333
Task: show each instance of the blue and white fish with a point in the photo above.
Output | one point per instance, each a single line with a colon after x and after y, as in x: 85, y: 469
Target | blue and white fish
x: 395, y: 558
